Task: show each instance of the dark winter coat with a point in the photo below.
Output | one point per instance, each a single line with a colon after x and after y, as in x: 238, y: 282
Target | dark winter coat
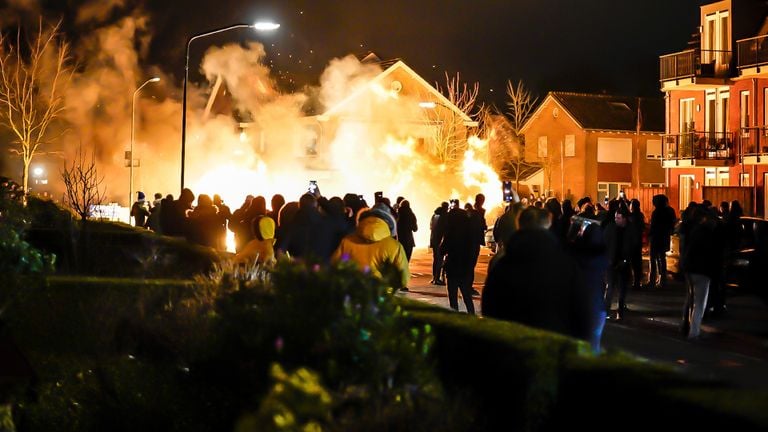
x: 535, y: 283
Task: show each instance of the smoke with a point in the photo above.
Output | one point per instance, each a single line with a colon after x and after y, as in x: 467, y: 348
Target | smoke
x: 373, y: 136
x: 98, y: 10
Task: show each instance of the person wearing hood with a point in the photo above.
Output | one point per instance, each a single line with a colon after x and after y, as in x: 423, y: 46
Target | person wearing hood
x: 372, y: 247
x: 262, y: 248
x: 140, y: 210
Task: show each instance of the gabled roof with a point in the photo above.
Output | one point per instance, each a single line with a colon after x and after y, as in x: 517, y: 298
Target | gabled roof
x: 608, y: 112
x: 399, y: 65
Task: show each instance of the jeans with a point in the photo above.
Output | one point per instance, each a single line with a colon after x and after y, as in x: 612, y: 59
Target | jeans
x: 458, y: 279
x: 437, y: 264
x: 693, y: 311
x: 658, y: 263
x: 618, y: 277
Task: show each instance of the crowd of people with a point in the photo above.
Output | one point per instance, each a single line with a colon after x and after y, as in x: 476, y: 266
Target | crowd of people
x: 558, y: 267
x: 379, y: 239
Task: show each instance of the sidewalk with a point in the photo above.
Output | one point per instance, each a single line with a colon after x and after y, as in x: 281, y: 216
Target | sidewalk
x: 421, y: 275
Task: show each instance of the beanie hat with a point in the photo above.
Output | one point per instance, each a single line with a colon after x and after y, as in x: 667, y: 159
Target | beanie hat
x: 141, y: 195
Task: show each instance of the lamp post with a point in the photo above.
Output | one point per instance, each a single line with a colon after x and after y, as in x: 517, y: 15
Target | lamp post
x: 259, y: 26
x: 133, y: 134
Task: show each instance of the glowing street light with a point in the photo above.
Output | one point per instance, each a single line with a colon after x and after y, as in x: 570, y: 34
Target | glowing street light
x: 133, y: 122
x: 258, y: 26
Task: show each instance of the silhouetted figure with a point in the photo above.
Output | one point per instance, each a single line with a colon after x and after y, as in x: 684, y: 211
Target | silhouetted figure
x: 477, y: 227
x: 620, y: 240
x: 456, y: 245
x: 241, y: 231
x: 277, y: 202
x: 434, y: 243
x: 535, y: 283
x: 637, y: 218
x: 406, y: 226
x: 308, y: 235
x: 225, y: 214
x: 662, y: 225
x: 204, y: 223
x: 700, y: 259
x: 140, y: 210
x: 153, y: 221
x: 176, y: 223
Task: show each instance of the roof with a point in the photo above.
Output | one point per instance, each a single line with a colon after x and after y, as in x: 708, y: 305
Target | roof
x: 399, y: 64
x: 609, y: 112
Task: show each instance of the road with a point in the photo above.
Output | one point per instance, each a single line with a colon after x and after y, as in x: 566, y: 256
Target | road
x: 733, y: 349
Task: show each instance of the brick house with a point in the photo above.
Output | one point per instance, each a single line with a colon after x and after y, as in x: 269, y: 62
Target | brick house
x: 594, y: 145
x: 715, y: 142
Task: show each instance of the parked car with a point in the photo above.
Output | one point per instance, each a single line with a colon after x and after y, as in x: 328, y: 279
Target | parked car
x: 746, y: 268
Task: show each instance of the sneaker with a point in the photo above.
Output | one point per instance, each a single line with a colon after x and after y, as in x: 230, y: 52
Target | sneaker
x: 439, y: 282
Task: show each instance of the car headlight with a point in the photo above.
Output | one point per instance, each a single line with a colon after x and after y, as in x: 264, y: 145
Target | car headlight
x: 741, y: 262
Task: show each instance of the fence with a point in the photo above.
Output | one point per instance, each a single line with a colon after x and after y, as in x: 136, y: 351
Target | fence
x: 645, y: 196
x: 718, y: 194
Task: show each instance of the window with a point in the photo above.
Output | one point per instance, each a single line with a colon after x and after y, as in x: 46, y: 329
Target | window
x: 716, y: 177
x: 716, y: 40
x: 542, y: 150
x: 686, y: 115
x: 614, y: 150
x: 744, y: 179
x: 745, y: 112
x: 609, y: 190
x: 570, y: 145
x: 653, y: 149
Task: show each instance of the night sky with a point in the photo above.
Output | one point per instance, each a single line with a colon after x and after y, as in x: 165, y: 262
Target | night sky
x: 568, y: 45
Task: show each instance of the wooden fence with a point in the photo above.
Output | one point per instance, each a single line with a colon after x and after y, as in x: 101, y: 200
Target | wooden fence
x: 718, y: 194
x: 645, y: 196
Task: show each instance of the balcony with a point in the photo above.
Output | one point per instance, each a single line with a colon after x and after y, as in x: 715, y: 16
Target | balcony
x: 753, y: 143
x: 753, y: 57
x: 694, y: 69
x: 698, y: 149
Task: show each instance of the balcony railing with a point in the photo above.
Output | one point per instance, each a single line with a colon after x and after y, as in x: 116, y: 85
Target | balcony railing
x: 753, y: 51
x: 695, y: 63
x: 698, y: 145
x: 753, y: 141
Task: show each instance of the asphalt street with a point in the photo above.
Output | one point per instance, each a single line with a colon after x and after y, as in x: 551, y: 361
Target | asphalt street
x: 733, y: 348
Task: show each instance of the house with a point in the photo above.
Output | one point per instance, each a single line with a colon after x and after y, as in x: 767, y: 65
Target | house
x: 595, y: 145
x: 716, y: 95
x: 395, y: 103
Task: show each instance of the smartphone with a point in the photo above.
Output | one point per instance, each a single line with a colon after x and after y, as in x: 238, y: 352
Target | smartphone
x: 312, y: 187
x: 506, y: 187
x: 378, y: 196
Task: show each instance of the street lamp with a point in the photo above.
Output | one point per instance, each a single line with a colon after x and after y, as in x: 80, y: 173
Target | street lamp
x: 133, y: 122
x: 259, y: 26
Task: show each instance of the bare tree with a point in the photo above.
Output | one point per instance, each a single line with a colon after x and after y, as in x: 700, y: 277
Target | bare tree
x: 450, y: 132
x: 82, y: 183
x: 33, y: 79
x: 506, y: 149
x: 520, y: 105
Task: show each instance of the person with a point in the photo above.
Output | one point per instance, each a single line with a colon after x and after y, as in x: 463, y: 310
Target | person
x: 662, y: 225
x: 406, y: 226
x: 620, y: 240
x: 523, y: 287
x: 277, y: 202
x: 455, y: 236
x: 175, y: 222
x: 225, y: 214
x: 637, y: 218
x: 700, y: 259
x: 506, y: 225
x: 477, y: 228
x: 204, y: 223
x: 434, y: 243
x: 261, y: 249
x: 153, y: 221
x: 309, y: 235
x: 372, y: 247
x: 140, y: 210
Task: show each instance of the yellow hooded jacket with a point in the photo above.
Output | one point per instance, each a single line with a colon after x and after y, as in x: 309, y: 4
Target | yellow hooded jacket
x: 262, y: 248
x: 372, y: 246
